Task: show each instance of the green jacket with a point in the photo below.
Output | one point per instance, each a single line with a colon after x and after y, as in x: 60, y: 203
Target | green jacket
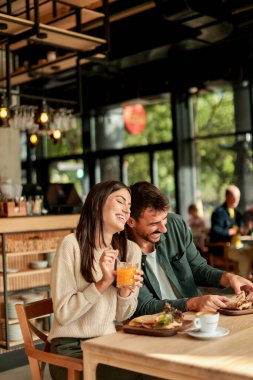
x: 182, y: 263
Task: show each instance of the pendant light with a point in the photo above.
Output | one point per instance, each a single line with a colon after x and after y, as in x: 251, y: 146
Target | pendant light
x: 43, y: 117
x: 56, y: 136
x: 33, y: 139
x: 4, y: 113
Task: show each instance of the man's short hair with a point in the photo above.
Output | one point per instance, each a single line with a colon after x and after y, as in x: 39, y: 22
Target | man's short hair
x: 232, y: 189
x: 145, y: 195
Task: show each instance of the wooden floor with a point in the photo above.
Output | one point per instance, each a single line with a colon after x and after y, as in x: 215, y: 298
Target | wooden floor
x: 21, y: 373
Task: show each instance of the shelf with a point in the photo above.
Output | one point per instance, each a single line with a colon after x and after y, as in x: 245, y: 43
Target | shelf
x: 17, y: 234
x: 18, y: 342
x: 64, y: 19
x: 81, y: 3
x: 60, y: 64
x: 56, y: 32
x: 38, y: 223
x: 11, y: 254
x: 19, y: 6
x: 11, y: 321
x: 65, y: 39
x: 63, y: 63
x: 28, y: 279
x: 14, y: 343
x: 27, y: 272
x: 69, y: 22
x: 15, y: 25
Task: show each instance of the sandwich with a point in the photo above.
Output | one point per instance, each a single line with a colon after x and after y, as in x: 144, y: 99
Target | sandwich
x: 240, y: 301
x: 169, y: 318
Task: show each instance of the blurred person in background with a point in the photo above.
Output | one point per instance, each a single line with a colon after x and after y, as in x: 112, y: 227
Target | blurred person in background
x: 198, y: 227
x: 227, y: 225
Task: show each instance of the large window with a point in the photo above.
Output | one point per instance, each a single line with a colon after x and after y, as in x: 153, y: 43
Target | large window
x: 164, y: 178
x: 223, y: 152
x: 136, y: 168
x: 158, y: 127
x: 71, y: 171
x: 213, y: 112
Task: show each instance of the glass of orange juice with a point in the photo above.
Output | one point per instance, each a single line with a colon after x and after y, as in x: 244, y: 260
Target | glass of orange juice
x: 125, y: 274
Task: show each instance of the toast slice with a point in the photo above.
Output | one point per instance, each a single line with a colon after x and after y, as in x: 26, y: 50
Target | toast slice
x: 239, y: 302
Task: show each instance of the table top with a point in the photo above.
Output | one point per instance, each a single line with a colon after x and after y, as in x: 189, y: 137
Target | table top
x: 181, y: 356
x: 246, y: 237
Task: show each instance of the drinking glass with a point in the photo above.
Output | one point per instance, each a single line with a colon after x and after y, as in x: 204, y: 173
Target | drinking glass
x: 125, y: 274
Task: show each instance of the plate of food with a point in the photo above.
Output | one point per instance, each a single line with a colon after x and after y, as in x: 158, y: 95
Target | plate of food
x: 239, y: 304
x: 166, y: 323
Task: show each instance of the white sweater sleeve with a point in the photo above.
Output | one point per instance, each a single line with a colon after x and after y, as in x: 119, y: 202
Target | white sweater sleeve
x: 70, y: 302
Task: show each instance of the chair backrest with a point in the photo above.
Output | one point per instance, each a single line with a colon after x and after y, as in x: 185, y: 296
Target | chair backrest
x: 222, y: 261
x: 27, y: 314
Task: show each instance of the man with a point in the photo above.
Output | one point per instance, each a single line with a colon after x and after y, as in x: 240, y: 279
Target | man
x: 227, y: 225
x: 173, y: 268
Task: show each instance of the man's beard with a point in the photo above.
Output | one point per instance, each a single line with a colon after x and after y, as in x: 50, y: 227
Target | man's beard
x: 149, y: 238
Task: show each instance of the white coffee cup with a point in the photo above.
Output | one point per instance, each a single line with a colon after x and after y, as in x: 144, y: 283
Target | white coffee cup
x: 206, y: 321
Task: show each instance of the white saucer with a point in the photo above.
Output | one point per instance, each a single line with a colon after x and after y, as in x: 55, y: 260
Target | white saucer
x: 218, y: 333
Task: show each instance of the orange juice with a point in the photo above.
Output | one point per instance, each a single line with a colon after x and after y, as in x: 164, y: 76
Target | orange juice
x: 125, y: 275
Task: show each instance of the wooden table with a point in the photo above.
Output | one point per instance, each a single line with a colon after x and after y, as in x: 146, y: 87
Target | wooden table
x: 246, y: 238
x: 179, y: 357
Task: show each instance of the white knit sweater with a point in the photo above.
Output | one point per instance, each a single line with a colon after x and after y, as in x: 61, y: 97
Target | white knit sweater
x: 80, y: 310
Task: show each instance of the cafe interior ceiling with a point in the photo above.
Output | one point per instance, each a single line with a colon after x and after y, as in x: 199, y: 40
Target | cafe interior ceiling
x: 157, y: 46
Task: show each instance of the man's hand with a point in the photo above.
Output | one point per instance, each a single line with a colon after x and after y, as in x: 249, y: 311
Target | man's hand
x: 236, y: 282
x: 233, y: 231
x: 206, y: 303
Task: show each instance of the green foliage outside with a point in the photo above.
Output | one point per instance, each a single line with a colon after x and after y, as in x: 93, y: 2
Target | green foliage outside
x: 213, y: 114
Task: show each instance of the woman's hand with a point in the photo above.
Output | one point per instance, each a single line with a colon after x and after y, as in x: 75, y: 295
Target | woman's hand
x: 125, y: 292
x: 107, y: 265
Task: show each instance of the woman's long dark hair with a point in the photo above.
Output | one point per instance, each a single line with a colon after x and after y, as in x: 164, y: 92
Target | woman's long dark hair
x: 91, y: 219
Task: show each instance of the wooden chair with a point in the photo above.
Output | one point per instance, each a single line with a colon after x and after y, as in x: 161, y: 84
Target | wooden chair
x: 223, y: 261
x: 38, y: 357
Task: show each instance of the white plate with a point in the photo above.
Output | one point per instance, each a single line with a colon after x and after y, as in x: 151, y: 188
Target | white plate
x: 219, y: 333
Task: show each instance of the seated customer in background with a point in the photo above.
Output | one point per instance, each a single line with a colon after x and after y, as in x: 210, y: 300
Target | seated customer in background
x: 85, y: 300
x: 227, y: 226
x: 173, y: 267
x: 198, y: 227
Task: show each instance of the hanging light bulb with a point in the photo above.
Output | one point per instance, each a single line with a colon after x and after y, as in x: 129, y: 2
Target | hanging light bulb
x: 43, y: 118
x: 56, y: 136
x: 33, y: 139
x: 4, y: 114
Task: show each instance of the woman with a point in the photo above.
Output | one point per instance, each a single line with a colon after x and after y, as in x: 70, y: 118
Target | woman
x: 86, y: 301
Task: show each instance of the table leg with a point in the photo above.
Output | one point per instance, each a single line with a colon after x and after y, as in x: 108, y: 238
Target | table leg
x: 89, y: 366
